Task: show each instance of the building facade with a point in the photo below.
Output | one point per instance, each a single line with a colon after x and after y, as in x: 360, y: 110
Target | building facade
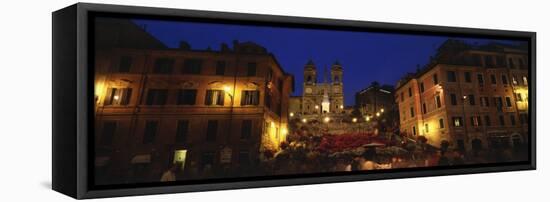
x: 374, y: 98
x: 475, y: 97
x: 320, y: 98
x: 204, y: 109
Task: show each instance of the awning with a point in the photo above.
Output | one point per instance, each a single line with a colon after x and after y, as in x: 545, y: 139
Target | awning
x: 101, y: 161
x: 146, y: 158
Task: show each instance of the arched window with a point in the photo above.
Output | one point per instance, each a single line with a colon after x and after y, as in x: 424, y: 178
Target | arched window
x: 308, y: 78
x: 336, y: 79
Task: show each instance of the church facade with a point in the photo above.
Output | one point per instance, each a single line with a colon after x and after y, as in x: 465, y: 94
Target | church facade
x: 320, y: 98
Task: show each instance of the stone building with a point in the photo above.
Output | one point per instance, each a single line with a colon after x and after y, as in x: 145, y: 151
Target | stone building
x: 214, y: 110
x: 475, y: 97
x: 375, y: 98
x: 320, y: 99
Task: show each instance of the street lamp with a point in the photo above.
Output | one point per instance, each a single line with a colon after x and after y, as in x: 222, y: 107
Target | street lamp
x: 367, y: 118
x: 382, y: 110
x: 291, y: 114
x: 304, y: 120
x: 377, y: 114
x: 354, y: 120
x: 227, y: 90
x: 327, y: 119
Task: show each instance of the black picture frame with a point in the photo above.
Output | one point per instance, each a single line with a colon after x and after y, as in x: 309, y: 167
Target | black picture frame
x: 72, y: 99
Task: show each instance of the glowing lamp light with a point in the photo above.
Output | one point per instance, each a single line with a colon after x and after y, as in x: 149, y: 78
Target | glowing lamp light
x: 227, y: 89
x: 291, y: 114
x: 354, y: 120
x: 464, y: 97
x: 115, y: 97
x: 341, y: 106
x: 382, y: 110
x: 377, y: 114
x: 327, y: 119
x: 284, y: 131
x: 316, y: 106
x: 367, y: 118
x: 304, y: 120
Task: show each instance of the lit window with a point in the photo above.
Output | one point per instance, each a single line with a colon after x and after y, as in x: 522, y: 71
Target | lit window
x: 457, y: 121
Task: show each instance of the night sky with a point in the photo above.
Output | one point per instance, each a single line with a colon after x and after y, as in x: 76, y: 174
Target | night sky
x: 365, y: 57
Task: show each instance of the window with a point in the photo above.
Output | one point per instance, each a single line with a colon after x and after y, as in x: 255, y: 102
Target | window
x: 519, y: 97
x: 424, y: 111
x: 523, y: 118
x: 484, y: 101
x: 214, y: 97
x: 457, y: 121
x: 163, y: 66
x: 451, y: 76
x: 212, y: 130
x: 498, y: 103
x: 187, y: 96
x: 244, y: 158
x: 108, y: 132
x: 118, y: 96
x: 280, y: 84
x: 426, y: 128
x: 493, y: 79
x: 501, y: 120
x: 156, y: 97
x: 402, y: 97
x: 489, y: 61
x: 410, y: 92
x: 504, y: 80
x: 513, y: 120
x: 453, y: 99
x: 441, y: 123
x: 125, y: 64
x: 435, y: 79
x: 467, y: 77
x: 438, y: 101
x: 472, y: 99
x: 207, y: 159
x: 487, y: 120
x: 220, y: 68
x: 412, y: 112
x: 182, y: 131
x: 480, y: 80
x: 511, y: 63
x: 414, y: 131
x: 520, y: 60
x: 267, y: 100
x: 475, y: 121
x: 251, y: 69
x: 514, y: 80
x: 246, y: 129
x: 192, y: 66
x: 508, y: 102
x: 421, y: 86
x: 336, y: 79
x: 250, y: 97
x: 150, y: 132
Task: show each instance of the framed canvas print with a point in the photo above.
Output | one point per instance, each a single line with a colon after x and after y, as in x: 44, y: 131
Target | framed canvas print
x: 153, y: 100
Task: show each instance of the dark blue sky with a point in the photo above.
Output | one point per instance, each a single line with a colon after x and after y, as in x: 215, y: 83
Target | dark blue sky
x: 365, y: 57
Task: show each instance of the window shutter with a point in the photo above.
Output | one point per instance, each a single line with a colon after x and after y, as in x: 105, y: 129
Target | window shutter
x: 208, y: 100
x: 108, y: 97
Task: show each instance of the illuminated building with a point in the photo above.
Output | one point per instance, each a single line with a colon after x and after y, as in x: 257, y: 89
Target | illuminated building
x: 475, y: 97
x: 320, y: 99
x: 202, y: 108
